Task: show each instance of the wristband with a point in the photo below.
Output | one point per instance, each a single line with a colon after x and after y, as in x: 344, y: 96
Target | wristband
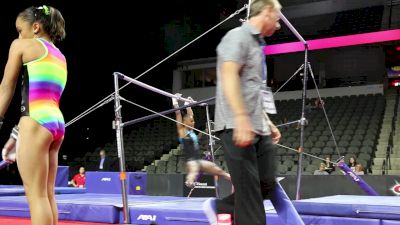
x: 15, y: 132
x: 1, y: 121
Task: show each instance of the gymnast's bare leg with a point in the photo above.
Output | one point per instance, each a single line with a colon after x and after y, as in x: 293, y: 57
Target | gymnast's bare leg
x: 37, y: 164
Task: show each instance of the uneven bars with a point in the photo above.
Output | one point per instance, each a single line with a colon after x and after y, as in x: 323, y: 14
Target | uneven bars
x: 291, y: 27
x: 141, y: 119
x: 248, y: 10
x: 151, y: 88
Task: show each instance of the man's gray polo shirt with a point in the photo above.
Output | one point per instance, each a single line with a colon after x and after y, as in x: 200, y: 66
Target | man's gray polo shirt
x: 243, y: 46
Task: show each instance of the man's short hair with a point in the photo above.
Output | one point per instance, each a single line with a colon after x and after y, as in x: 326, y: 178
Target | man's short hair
x: 257, y: 6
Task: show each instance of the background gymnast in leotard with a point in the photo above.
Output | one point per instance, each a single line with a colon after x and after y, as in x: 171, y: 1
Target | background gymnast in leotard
x: 190, y: 142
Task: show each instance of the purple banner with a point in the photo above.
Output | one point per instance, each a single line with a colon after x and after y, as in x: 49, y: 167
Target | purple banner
x: 137, y: 183
x: 284, y: 207
x: 357, y: 179
x: 103, y: 182
x: 110, y: 183
x: 62, y: 176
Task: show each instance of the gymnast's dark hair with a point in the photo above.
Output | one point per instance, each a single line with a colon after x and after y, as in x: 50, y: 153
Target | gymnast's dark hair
x: 186, y: 116
x: 51, y: 19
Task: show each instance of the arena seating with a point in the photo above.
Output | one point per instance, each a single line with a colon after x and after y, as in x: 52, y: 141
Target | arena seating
x: 355, y: 122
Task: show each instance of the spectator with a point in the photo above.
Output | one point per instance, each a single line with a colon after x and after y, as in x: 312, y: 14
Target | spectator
x: 359, y: 169
x: 79, y: 179
x: 322, y: 170
x: 352, y: 163
x: 319, y: 103
x: 105, y: 163
x: 329, y: 165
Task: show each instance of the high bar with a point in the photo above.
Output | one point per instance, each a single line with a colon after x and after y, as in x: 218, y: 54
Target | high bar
x: 291, y: 27
x: 138, y: 120
x: 151, y: 88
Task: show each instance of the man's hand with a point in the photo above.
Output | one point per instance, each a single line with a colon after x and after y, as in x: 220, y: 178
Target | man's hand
x: 275, y: 134
x: 243, y: 133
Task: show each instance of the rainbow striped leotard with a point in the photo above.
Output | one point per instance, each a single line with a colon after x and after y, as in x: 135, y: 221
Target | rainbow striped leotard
x: 43, y: 81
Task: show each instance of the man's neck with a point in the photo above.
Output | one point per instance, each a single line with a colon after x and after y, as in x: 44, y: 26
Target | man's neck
x: 256, y: 23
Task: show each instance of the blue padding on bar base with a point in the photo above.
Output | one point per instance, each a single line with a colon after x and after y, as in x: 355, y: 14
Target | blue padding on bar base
x: 90, y: 213
x: 15, y: 190
x: 390, y: 222
x: 330, y: 220
x: 80, y: 207
x: 375, y: 207
x: 284, y: 207
x: 326, y: 220
x: 357, y: 179
x: 170, y: 210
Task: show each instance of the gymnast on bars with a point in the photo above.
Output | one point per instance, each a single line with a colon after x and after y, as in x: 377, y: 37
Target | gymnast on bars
x: 190, y: 142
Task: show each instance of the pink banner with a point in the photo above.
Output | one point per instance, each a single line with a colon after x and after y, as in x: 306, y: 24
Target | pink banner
x: 334, y: 42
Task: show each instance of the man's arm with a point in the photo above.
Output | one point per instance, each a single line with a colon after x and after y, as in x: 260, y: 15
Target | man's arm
x: 275, y: 133
x: 243, y: 132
